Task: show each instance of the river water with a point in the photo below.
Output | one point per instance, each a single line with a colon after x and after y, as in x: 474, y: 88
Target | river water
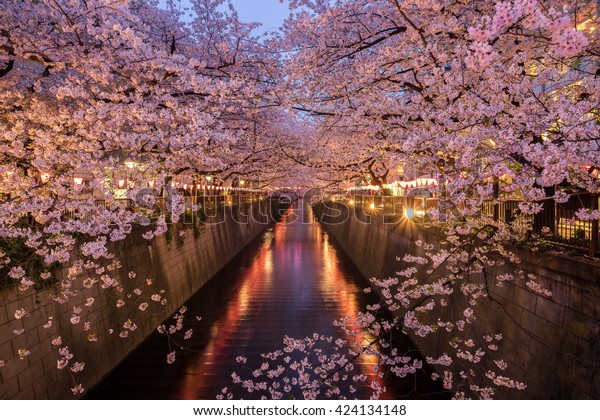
x: 291, y: 280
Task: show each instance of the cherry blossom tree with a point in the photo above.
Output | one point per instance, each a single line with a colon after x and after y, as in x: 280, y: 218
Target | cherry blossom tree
x: 499, y: 98
x: 424, y: 79
x: 100, y: 96
x: 90, y: 86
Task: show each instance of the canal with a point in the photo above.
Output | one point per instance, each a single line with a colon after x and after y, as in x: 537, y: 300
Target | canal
x: 292, y: 280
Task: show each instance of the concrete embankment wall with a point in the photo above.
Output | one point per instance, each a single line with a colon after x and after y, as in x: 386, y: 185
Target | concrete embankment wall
x: 552, y: 344
x: 179, y: 265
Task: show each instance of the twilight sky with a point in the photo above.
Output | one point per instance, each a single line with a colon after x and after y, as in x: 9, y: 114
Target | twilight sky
x: 271, y: 13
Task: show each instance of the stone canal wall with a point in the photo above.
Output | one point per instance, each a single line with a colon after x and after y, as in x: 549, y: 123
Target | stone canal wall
x: 551, y: 344
x: 178, y: 265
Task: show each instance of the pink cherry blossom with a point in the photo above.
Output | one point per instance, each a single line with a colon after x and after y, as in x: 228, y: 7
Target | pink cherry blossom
x: 77, y: 367
x: 78, y: 389
x: 23, y: 353
x: 496, y: 99
x: 20, y: 313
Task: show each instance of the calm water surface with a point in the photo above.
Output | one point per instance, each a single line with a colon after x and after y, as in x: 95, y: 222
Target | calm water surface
x: 290, y: 281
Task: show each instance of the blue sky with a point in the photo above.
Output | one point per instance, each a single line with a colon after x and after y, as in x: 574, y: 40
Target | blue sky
x: 271, y: 13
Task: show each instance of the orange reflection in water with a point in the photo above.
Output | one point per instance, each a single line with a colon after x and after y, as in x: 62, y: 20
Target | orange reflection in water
x: 295, y: 285
x: 335, y: 279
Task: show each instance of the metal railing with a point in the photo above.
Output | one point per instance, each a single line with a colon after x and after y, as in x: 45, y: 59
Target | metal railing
x: 159, y: 205
x: 557, y: 222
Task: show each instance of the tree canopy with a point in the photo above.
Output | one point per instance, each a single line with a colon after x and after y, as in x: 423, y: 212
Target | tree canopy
x: 498, y: 99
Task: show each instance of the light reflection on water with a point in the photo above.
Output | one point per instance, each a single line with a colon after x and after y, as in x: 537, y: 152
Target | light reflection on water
x: 291, y: 282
